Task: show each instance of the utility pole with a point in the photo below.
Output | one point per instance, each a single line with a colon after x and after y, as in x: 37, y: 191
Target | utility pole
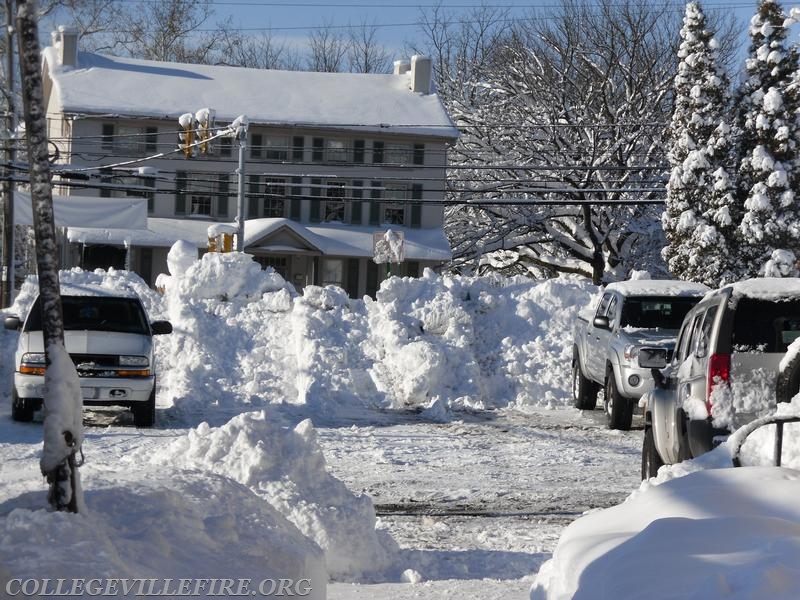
x: 241, y: 135
x: 11, y: 155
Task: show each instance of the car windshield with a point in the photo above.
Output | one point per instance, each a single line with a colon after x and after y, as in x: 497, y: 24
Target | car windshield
x: 765, y: 325
x: 95, y: 313
x: 647, y: 312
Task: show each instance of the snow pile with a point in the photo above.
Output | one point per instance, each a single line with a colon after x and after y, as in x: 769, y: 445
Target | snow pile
x: 159, y: 524
x: 715, y: 531
x: 456, y: 342
x: 286, y: 468
x: 473, y: 342
x: 732, y: 533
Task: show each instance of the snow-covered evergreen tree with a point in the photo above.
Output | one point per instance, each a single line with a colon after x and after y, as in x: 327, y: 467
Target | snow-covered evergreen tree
x: 768, y: 173
x: 697, y: 220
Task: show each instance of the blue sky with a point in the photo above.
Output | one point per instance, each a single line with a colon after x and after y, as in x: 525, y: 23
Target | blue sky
x: 395, y: 18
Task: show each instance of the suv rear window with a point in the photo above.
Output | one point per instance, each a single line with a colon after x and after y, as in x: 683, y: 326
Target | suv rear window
x: 651, y: 312
x: 765, y: 325
x: 95, y: 313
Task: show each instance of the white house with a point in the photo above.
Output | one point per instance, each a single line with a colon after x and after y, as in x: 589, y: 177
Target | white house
x: 331, y: 159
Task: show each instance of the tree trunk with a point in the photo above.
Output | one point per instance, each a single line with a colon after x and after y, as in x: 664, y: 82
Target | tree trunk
x: 61, y: 475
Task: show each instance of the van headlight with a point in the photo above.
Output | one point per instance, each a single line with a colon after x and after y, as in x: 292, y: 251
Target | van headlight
x: 134, y: 361
x: 33, y: 363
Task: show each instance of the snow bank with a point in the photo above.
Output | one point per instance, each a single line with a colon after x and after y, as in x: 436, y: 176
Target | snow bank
x: 159, y: 524
x: 286, y: 467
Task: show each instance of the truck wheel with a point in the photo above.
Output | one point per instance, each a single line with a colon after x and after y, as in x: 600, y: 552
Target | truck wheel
x: 788, y: 384
x: 144, y: 413
x: 584, y: 391
x: 619, y: 410
x: 22, y: 409
x: 651, y: 460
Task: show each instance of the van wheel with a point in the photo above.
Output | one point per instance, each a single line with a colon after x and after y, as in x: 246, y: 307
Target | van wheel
x: 584, y: 391
x: 22, y: 409
x: 651, y: 460
x: 619, y: 410
x: 788, y: 384
x: 144, y: 413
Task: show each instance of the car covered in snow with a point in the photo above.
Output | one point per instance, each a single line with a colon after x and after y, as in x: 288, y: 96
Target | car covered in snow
x: 109, y: 338
x: 725, y: 371
x: 631, y: 315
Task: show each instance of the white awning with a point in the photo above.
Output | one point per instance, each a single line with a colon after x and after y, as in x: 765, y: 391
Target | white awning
x: 86, y: 211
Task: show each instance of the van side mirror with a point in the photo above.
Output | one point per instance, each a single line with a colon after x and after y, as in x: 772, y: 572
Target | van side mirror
x: 12, y: 323
x: 652, y: 358
x: 161, y: 327
x: 602, y: 322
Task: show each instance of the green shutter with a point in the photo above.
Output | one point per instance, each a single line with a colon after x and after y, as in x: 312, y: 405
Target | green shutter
x: 180, y: 193
x: 375, y: 205
x: 295, y: 206
x: 355, y: 207
x: 252, y: 199
x: 416, y: 206
x: 316, y: 200
x: 222, y: 197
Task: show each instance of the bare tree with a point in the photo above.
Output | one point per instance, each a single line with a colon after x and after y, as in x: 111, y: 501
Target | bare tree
x: 365, y: 54
x: 328, y: 49
x: 262, y: 51
x: 172, y: 30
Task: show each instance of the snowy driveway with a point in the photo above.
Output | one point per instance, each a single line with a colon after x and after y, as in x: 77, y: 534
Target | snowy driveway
x: 481, y: 499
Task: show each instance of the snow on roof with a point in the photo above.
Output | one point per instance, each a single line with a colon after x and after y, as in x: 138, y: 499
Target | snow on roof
x: 658, y: 287
x: 93, y: 289
x: 766, y: 288
x: 145, y: 88
x: 331, y: 239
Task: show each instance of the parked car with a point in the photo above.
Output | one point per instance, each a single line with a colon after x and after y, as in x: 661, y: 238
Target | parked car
x: 631, y: 315
x: 110, y: 340
x: 724, y: 372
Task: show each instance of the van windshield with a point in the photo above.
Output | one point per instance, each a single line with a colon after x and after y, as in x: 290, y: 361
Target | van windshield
x: 765, y: 325
x: 655, y: 312
x: 95, y: 313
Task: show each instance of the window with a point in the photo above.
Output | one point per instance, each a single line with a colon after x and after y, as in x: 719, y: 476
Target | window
x: 107, y: 139
x: 200, y: 205
x: 335, y: 151
x: 333, y: 272
x: 225, y: 146
x: 394, y: 205
x: 419, y: 154
x: 256, y: 145
x: 202, y: 194
x: 274, y: 197
x: 276, y: 148
x: 279, y: 263
x: 358, y: 151
x: 151, y: 139
x: 397, y: 154
x: 335, y: 203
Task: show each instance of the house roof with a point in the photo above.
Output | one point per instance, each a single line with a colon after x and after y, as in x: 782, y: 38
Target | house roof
x: 329, y: 239
x: 131, y: 87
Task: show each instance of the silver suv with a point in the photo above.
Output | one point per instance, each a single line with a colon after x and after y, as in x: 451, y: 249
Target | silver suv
x: 723, y: 372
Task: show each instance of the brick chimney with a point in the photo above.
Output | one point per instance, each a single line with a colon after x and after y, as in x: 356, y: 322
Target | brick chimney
x: 65, y: 40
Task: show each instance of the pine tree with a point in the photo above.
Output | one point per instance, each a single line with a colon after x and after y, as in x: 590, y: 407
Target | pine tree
x: 768, y: 172
x: 697, y: 220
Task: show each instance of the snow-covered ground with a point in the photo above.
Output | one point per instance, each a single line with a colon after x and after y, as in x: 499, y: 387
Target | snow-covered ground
x: 418, y: 445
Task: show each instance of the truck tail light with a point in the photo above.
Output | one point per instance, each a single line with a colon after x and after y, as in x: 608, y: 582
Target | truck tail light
x: 719, y: 371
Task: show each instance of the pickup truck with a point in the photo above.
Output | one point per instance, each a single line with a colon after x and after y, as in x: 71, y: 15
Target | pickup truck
x: 631, y: 315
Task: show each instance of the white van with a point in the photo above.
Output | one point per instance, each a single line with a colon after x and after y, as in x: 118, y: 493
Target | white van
x: 110, y: 341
